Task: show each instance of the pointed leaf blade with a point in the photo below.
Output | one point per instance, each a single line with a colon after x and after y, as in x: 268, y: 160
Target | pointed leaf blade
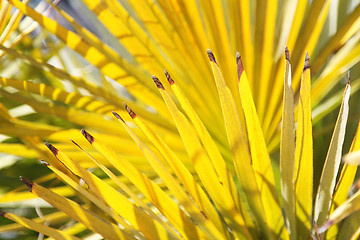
x: 332, y: 162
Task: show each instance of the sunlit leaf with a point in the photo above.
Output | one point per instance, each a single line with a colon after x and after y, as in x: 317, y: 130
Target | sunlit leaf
x: 332, y: 162
x: 287, y: 151
x: 303, y: 175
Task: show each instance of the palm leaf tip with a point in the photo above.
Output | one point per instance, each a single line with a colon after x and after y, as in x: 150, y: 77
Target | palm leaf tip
x: 45, y: 163
x: 27, y: 182
x: 157, y: 82
x: 239, y: 64
x: 117, y: 116
x: 307, y: 61
x: 287, y: 54
x: 87, y: 136
x: 211, y: 56
x: 131, y: 112
x: 53, y: 149
x: 169, y: 78
x: 76, y: 144
x: 2, y: 213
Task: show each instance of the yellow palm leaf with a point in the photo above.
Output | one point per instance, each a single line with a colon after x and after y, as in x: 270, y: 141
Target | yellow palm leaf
x: 332, y: 162
x: 303, y: 175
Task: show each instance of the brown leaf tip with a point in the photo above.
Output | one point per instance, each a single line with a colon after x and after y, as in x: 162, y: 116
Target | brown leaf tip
x: 204, y: 215
x: 348, y: 75
x: 287, y: 54
x: 307, y: 61
x: 170, y: 80
x: 211, y: 56
x: 240, y: 67
x: 2, y: 213
x: 117, y: 116
x: 157, y: 82
x: 27, y: 182
x: 76, y: 144
x: 44, y: 162
x: 87, y: 136
x: 131, y: 113
x: 52, y: 148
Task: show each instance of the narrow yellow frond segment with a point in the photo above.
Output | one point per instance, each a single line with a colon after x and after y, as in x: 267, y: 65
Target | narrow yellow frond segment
x: 213, y: 12
x: 303, y: 177
x: 190, y: 184
x: 93, y: 222
x: 344, y: 184
x: 347, y: 30
x: 273, y: 114
x: 260, y: 158
x: 291, y: 19
x: 86, y: 102
x: 205, y: 169
x: 76, y: 228
x: 239, y: 148
x: 348, y: 173
x: 332, y: 162
x: 241, y: 33
x: 308, y: 39
x: 268, y: 12
x: 286, y: 20
x: 151, y: 190
x: 336, y: 68
x: 296, y: 24
x: 52, y: 218
x: 151, y: 229
x: 287, y: 151
x: 22, y: 196
x: 48, y: 231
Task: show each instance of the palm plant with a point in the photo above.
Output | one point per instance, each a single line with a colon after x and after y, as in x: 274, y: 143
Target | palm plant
x: 210, y: 152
